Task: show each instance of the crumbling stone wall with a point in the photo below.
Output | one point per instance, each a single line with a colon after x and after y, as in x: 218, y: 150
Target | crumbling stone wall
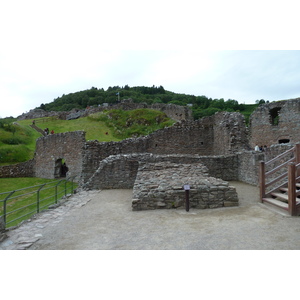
x: 230, y: 133
x: 248, y: 161
x: 184, y: 138
x: 199, y: 137
x: 173, y: 111
x: 62, y: 146
x: 160, y: 185
x: 25, y: 169
x: 119, y: 171
x: 276, y: 122
x: 40, y: 113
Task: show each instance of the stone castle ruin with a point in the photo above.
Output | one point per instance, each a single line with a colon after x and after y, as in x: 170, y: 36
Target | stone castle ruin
x: 205, y: 154
x: 276, y: 123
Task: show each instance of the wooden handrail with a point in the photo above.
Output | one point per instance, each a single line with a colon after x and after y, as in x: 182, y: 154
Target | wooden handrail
x: 280, y: 166
x: 292, y: 175
x: 280, y: 156
x: 276, y: 179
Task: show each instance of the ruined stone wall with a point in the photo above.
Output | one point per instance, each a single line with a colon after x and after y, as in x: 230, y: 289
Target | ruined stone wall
x: 248, y: 161
x: 230, y: 133
x: 95, y: 152
x: 275, y: 122
x: 40, y: 113
x: 199, y: 137
x: 184, y: 138
x: 119, y: 171
x: 160, y: 185
x: 248, y: 170
x: 173, y: 111
x: 52, y: 148
x: 25, y: 169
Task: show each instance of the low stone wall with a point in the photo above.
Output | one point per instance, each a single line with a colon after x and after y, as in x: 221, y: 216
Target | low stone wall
x: 25, y: 169
x: 119, y: 171
x: 248, y: 161
x: 160, y: 185
x: 248, y: 170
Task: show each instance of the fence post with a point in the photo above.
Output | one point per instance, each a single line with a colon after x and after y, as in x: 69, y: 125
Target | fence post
x: 72, y: 185
x: 292, y: 189
x: 56, y: 191
x: 262, y: 180
x: 297, y: 157
x: 66, y: 187
x: 38, y: 198
x: 4, y: 207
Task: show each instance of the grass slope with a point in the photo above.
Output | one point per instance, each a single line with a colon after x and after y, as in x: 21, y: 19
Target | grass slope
x: 18, y: 143
x: 94, y: 130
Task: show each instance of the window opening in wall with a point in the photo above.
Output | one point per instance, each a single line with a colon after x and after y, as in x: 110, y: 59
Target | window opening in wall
x: 284, y: 141
x: 61, y: 168
x: 274, y: 115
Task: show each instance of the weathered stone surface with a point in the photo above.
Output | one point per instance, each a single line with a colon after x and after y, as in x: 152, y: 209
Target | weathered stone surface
x: 205, y: 191
x: 275, y: 122
x: 119, y: 171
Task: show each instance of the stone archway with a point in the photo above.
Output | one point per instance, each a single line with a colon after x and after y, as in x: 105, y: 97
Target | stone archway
x: 60, y: 169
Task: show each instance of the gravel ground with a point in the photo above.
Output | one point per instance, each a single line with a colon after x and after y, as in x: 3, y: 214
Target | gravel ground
x: 104, y: 220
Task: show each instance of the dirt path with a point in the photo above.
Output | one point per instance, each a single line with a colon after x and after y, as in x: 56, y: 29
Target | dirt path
x: 104, y: 220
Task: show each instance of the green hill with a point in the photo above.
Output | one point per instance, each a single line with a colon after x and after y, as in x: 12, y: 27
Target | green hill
x: 17, y: 140
x: 201, y: 105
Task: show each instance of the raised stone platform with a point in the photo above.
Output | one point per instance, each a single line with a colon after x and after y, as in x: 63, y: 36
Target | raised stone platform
x: 160, y: 185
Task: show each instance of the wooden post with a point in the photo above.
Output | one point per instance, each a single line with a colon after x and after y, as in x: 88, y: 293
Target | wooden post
x: 292, y: 189
x: 297, y: 158
x: 262, y: 180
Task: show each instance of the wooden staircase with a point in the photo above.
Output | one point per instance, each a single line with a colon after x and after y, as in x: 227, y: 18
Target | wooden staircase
x: 280, y: 185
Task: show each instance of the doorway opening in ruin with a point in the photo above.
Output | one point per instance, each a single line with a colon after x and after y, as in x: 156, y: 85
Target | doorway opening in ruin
x: 274, y: 115
x: 61, y: 168
x: 284, y: 141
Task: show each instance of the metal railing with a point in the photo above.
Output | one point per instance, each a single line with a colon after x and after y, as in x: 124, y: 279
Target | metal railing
x: 19, y: 205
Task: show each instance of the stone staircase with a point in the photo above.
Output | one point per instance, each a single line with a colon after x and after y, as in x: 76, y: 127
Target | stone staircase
x: 38, y: 129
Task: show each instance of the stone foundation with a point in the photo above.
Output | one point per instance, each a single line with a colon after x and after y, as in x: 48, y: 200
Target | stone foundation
x: 160, y: 185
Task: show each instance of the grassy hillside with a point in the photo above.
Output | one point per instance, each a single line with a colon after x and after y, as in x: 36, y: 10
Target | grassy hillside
x: 94, y: 130
x: 17, y: 140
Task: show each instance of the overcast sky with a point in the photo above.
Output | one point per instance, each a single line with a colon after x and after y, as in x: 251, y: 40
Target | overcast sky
x: 220, y: 49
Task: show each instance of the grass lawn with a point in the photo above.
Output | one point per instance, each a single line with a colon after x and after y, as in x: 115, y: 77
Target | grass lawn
x: 95, y: 130
x: 30, y: 196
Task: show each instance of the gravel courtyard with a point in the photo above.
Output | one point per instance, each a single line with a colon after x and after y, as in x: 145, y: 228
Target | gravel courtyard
x: 104, y: 220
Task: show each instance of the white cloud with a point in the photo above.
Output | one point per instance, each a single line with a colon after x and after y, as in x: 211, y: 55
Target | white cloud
x: 50, y: 48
